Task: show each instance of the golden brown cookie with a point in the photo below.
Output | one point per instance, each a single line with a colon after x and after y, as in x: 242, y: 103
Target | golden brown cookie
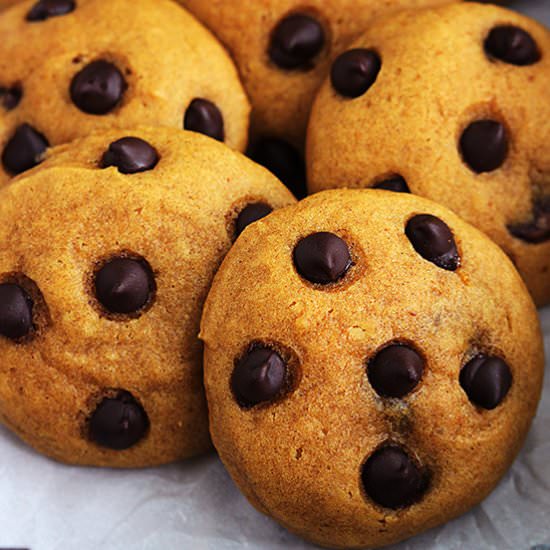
x: 69, y: 68
x: 108, y: 250
x: 283, y: 49
x: 372, y: 366
x: 450, y: 104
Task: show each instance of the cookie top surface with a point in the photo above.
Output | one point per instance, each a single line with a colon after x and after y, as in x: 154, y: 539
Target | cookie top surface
x: 385, y: 339
x: 71, y: 68
x: 108, y: 250
x: 283, y: 50
x: 452, y: 101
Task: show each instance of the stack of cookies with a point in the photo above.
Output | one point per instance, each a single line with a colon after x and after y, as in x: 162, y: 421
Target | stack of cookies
x: 366, y: 362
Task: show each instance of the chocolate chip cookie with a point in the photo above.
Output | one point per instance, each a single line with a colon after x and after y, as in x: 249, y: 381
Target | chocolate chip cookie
x: 372, y: 366
x: 69, y: 68
x: 451, y: 104
x: 108, y: 250
x: 283, y: 50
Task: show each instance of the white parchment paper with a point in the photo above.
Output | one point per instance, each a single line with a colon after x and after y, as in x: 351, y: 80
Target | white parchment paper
x: 47, y: 506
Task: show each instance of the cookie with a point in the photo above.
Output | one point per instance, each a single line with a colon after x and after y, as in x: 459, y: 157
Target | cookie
x: 69, y: 68
x: 372, y: 365
x: 109, y: 248
x: 283, y: 49
x: 452, y: 104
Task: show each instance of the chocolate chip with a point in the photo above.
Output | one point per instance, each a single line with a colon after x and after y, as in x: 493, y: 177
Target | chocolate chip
x: 11, y: 97
x: 204, y: 117
x: 15, y: 311
x: 392, y: 479
x: 486, y: 380
x: 537, y: 230
x: 124, y: 285
x: 260, y: 376
x: 118, y: 422
x: 433, y: 240
x: 24, y: 149
x: 44, y: 9
x: 395, y: 370
x: 396, y: 183
x: 355, y: 71
x: 130, y: 155
x: 98, y: 88
x: 282, y: 160
x: 322, y: 258
x: 250, y: 214
x: 296, y: 41
x: 484, y: 145
x: 512, y: 45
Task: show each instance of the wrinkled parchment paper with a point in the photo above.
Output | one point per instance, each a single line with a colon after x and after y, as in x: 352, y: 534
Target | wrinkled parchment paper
x: 47, y: 506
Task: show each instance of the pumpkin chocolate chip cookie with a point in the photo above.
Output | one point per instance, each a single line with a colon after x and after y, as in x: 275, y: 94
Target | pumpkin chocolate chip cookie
x: 372, y: 366
x: 108, y: 250
x: 70, y: 68
x: 450, y: 103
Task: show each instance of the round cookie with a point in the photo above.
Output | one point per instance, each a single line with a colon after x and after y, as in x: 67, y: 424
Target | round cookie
x: 412, y: 116
x: 68, y: 69
x: 109, y: 249
x: 283, y: 50
x: 372, y: 365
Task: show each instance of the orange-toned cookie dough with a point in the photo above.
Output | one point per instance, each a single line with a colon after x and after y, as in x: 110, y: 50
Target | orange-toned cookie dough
x: 283, y: 50
x: 7, y: 3
x: 372, y: 366
x: 69, y: 68
x: 108, y: 250
x: 451, y: 104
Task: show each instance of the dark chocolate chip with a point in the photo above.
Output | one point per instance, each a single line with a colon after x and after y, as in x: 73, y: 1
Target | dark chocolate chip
x: 98, y: 88
x: 44, y: 9
x: 484, y: 145
x: 124, y: 285
x: 355, y: 71
x: 24, y: 149
x: 512, y: 45
x: 296, y: 41
x: 392, y: 479
x: 204, y: 117
x: 537, y: 230
x: 15, y: 311
x: 395, y: 371
x: 260, y: 376
x: 252, y: 213
x: 118, y: 422
x: 130, y: 155
x: 395, y: 183
x: 282, y: 160
x: 11, y: 97
x: 322, y: 258
x: 433, y: 240
x: 486, y: 380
